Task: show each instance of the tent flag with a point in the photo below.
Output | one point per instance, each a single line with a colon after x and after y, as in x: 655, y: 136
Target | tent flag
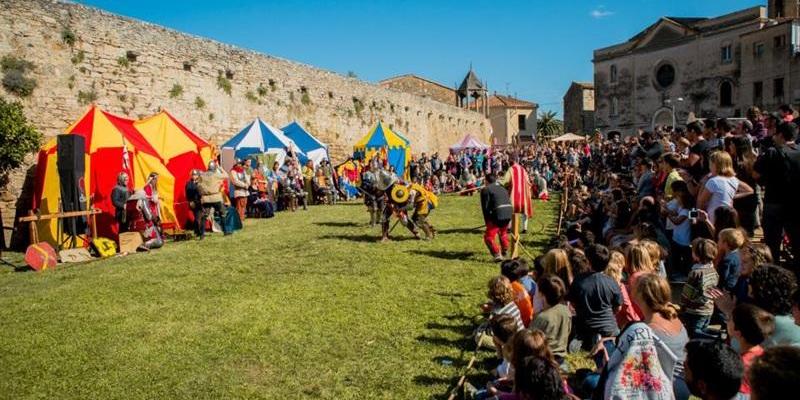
x: 181, y: 151
x: 315, y: 150
x: 382, y: 139
x: 109, y: 139
x: 261, y: 137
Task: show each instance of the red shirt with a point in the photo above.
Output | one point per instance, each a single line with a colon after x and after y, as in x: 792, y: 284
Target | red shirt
x: 747, y: 359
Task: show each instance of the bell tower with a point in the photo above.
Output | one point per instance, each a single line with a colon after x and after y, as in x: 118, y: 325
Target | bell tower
x: 783, y: 9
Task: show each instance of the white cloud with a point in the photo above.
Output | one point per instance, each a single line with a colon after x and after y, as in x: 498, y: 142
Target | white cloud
x: 601, y: 12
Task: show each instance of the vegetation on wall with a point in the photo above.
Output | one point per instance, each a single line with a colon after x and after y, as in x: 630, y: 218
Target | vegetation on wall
x: 199, y: 103
x: 68, y: 36
x: 351, y: 74
x: 224, y: 84
x: 15, y: 79
x: 78, y: 57
x: 358, y: 106
x: 18, y: 138
x: 87, y: 97
x: 176, y: 91
x: 305, y: 99
x: 71, y: 82
x: 251, y: 97
x: 123, y: 62
x: 210, y: 116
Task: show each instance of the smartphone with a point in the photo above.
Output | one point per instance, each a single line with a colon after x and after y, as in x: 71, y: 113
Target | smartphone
x: 693, y: 213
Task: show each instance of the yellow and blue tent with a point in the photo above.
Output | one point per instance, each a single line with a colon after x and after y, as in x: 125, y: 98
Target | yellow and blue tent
x: 388, y: 145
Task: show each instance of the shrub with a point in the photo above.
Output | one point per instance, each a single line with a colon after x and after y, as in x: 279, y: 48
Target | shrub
x: 78, y: 57
x: 210, y: 116
x: 87, y: 97
x: 351, y: 74
x: 68, y: 36
x: 305, y: 99
x: 358, y: 105
x: 262, y: 91
x: 272, y: 84
x: 18, y: 138
x: 251, y: 97
x: 199, y: 103
x: 14, y: 75
x: 123, y: 61
x: 71, y: 82
x: 176, y: 91
x: 122, y: 97
x: 224, y: 84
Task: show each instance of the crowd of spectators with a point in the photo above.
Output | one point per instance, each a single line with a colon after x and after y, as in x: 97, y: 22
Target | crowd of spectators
x: 676, y: 272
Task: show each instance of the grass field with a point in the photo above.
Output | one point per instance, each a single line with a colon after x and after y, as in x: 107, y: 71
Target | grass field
x: 304, y: 305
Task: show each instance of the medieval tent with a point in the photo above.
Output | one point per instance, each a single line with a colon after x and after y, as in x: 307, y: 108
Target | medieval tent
x: 315, y: 150
x: 389, y: 146
x: 469, y: 142
x: 260, y: 137
x: 181, y: 150
x: 113, y: 145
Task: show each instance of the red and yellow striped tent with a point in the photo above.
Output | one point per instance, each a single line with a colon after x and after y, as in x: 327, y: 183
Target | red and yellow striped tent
x: 113, y: 145
x: 181, y: 150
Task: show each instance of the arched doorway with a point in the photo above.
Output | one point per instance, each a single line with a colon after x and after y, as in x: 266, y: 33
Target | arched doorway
x: 663, y: 117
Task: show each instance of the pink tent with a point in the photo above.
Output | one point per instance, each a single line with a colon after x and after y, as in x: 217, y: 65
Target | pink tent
x: 469, y: 142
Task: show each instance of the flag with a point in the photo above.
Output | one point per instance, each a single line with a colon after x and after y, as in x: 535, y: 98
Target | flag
x: 520, y: 191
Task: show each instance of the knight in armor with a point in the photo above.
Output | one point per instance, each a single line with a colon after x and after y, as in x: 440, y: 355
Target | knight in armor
x: 374, y: 198
x: 403, y: 199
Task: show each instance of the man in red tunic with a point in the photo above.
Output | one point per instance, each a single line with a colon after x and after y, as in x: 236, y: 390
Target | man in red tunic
x: 519, y: 188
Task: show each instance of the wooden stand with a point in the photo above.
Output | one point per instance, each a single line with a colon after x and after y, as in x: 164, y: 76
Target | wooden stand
x: 33, y: 218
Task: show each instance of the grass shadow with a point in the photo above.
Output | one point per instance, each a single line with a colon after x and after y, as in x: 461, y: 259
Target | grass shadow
x: 460, y: 343
x: 463, y: 330
x: 337, y: 224
x: 364, y: 238
x: 445, y: 254
x: 460, y: 230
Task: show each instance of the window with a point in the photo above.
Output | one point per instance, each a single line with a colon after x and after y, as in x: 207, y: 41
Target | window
x: 777, y: 90
x: 613, y: 74
x: 727, y: 54
x: 758, y: 49
x: 521, y: 122
x: 779, y: 41
x: 614, y: 106
x: 758, y: 93
x: 665, y: 75
x: 726, y: 94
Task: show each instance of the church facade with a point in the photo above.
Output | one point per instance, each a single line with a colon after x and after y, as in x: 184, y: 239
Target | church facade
x: 703, y: 67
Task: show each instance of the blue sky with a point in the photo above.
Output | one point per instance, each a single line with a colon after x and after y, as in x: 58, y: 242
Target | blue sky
x: 533, y: 48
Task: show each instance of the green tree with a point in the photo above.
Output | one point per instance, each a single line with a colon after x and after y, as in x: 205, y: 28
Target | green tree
x: 548, y: 126
x: 18, y: 138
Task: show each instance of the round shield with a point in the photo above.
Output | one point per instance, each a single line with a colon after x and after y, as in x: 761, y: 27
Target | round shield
x: 399, y: 194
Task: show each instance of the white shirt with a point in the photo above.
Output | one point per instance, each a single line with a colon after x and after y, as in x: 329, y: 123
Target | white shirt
x: 682, y: 233
x: 722, y: 189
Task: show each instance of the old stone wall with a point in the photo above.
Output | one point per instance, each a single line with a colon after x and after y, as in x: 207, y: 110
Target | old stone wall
x: 421, y: 87
x: 131, y: 68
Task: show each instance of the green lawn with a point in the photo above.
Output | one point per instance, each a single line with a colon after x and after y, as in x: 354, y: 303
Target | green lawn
x: 304, y: 305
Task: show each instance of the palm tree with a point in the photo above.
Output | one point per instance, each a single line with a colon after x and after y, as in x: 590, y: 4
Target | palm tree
x: 548, y: 126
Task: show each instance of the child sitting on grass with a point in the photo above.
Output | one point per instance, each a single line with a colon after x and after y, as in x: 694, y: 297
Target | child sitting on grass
x: 555, y: 321
x: 512, y: 270
x: 503, y: 327
x: 697, y: 307
x: 501, y: 300
x: 749, y: 326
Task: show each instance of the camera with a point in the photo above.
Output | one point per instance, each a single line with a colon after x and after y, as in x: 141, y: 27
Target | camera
x: 693, y: 213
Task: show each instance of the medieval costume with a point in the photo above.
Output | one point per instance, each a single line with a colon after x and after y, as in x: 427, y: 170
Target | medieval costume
x: 141, y: 219
x: 497, y: 213
x: 119, y: 196
x: 519, y: 188
x: 374, y: 198
x: 210, y: 184
x: 240, y: 181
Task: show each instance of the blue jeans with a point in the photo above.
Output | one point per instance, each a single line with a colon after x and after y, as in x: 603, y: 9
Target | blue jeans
x: 696, y: 324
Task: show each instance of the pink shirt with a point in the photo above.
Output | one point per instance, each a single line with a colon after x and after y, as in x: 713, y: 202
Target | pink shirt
x: 747, y: 360
x: 627, y: 313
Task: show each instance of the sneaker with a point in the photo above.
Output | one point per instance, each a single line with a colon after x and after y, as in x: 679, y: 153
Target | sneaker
x: 498, y: 258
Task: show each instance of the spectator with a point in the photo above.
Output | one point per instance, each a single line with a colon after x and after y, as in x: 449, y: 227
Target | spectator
x: 627, y: 313
x: 511, y: 270
x: 786, y: 112
x: 713, y: 370
x: 751, y: 256
x: 668, y: 165
x: 654, y: 298
x: 556, y: 262
x: 722, y: 187
x: 555, y: 320
x: 696, y: 304
x: 777, y: 170
x: 677, y: 214
x: 749, y: 326
x: 503, y: 328
x: 729, y: 266
x: 638, y: 264
x: 772, y: 288
x: 537, y: 378
x: 775, y: 373
x: 501, y: 300
x: 596, y: 299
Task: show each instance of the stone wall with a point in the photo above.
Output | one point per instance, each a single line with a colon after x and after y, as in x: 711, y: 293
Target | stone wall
x: 133, y: 69
x: 421, y: 87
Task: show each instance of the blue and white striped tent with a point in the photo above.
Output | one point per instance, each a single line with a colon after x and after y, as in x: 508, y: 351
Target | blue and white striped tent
x: 260, y: 137
x: 315, y: 150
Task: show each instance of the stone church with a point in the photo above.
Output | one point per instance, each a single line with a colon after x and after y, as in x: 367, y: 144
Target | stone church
x: 706, y: 67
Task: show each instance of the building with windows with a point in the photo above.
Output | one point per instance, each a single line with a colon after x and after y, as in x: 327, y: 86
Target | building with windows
x: 707, y: 67
x: 579, y: 108
x: 513, y: 120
